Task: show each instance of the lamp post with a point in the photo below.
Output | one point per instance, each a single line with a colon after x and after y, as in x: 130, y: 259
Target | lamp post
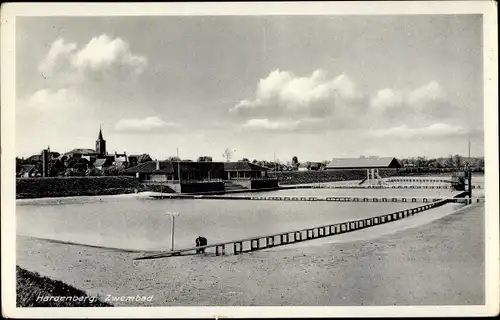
x: 172, y: 232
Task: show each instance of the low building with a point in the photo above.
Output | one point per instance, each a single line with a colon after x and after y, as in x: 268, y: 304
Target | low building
x: 363, y: 163
x: 307, y: 166
x: 80, y: 153
x: 244, y: 170
x: 100, y: 164
x: 196, y: 171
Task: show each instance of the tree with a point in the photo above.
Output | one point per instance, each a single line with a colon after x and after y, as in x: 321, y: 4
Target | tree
x: 112, y: 171
x: 245, y: 160
x: 18, y: 165
x: 420, y: 162
x: 449, y: 162
x: 174, y: 159
x: 457, y: 161
x: 228, y: 154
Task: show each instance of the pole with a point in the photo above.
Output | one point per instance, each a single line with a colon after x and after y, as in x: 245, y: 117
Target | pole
x: 275, y: 164
x: 469, y: 153
x: 172, y: 232
x: 178, y: 167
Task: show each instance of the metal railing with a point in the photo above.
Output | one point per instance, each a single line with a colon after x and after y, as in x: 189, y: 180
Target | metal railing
x: 377, y: 199
x: 381, y: 186
x: 186, y: 181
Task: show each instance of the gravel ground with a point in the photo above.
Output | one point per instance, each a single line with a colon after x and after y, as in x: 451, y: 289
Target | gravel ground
x: 440, y: 263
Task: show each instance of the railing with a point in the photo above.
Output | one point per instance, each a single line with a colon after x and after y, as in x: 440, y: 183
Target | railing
x: 252, y: 178
x: 381, y: 186
x: 377, y: 199
x: 416, y: 180
x: 284, y: 238
x: 170, y: 182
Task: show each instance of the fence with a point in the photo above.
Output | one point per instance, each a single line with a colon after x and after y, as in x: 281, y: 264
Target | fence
x: 377, y: 199
x: 284, y: 238
x: 170, y: 182
x: 381, y: 186
x: 416, y: 180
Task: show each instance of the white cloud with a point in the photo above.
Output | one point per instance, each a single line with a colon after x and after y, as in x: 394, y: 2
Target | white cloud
x: 429, y: 98
x: 317, y: 102
x: 282, y: 93
x: 102, y: 52
x: 58, y: 50
x: 421, y: 97
x: 437, y: 130
x: 387, y: 99
x: 48, y: 100
x: 149, y: 124
x: 54, y: 109
x: 266, y: 124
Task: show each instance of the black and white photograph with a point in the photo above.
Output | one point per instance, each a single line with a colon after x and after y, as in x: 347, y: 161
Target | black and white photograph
x: 241, y: 159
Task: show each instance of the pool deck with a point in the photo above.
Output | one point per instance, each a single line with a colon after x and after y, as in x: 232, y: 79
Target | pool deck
x: 439, y: 263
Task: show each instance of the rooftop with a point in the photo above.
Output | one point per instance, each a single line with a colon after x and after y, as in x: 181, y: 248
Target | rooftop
x: 343, y: 163
x: 190, y: 166
x: 82, y: 151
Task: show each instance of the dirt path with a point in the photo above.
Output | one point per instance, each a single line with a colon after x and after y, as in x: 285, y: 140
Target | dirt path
x: 440, y: 263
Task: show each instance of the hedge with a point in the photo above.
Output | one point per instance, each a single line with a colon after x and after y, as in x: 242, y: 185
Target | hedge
x: 32, y: 288
x: 75, y: 186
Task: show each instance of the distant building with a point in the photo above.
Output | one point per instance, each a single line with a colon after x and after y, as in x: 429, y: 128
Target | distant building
x: 363, y: 163
x: 191, y: 170
x: 244, y: 169
x: 103, y: 163
x: 81, y: 153
x: 120, y: 160
x: 34, y: 159
x: 28, y: 171
x: 307, y: 166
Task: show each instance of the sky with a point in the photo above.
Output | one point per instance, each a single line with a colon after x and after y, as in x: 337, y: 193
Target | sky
x: 315, y: 87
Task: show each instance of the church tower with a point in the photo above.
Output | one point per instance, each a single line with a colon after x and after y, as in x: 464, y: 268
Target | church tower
x: 100, y: 145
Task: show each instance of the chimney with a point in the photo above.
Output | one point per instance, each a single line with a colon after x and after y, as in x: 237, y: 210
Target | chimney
x: 157, y: 165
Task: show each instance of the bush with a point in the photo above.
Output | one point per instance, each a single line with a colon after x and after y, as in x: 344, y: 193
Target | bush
x: 75, y: 186
x: 31, y: 288
x: 302, y: 177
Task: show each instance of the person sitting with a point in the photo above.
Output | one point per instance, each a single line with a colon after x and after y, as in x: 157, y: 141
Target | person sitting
x: 201, y: 241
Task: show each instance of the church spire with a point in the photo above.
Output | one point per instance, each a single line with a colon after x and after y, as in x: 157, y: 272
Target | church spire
x: 100, y: 133
x: 100, y: 144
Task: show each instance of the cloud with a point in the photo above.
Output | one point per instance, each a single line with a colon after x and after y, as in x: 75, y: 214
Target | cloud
x: 266, y: 124
x: 100, y: 54
x: 284, y: 102
x: 46, y: 99
x: 429, y: 100
x: 387, y: 99
x: 149, y: 124
x: 103, y: 52
x: 437, y: 130
x: 282, y: 93
x: 54, y: 103
x: 59, y: 50
x: 54, y: 109
x: 82, y: 79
